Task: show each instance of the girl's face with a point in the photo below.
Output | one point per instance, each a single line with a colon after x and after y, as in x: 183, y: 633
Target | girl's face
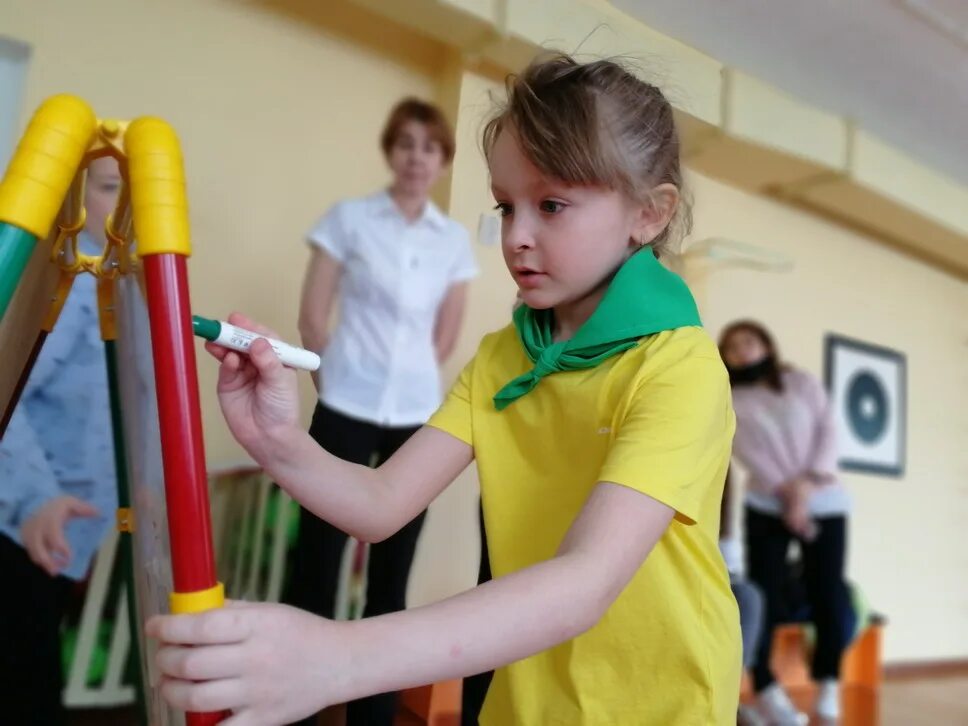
x: 100, y: 195
x: 743, y: 348
x: 416, y: 160
x: 563, y: 244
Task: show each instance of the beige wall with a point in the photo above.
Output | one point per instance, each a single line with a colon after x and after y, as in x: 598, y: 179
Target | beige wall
x: 279, y: 113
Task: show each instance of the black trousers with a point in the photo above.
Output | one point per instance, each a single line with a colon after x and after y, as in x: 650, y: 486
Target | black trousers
x: 475, y: 687
x: 767, y: 543
x: 31, y: 611
x: 319, y: 547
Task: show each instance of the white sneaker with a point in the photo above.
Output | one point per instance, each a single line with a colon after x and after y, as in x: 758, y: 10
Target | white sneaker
x: 749, y: 716
x: 828, y: 700
x: 776, y: 707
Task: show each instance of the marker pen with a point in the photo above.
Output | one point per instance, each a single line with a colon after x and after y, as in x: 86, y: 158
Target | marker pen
x: 239, y: 339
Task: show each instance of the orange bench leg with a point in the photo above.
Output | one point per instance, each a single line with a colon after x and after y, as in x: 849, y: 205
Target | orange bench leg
x: 435, y: 705
x: 861, y: 665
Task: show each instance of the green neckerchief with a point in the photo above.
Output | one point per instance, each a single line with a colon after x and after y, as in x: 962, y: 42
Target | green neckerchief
x: 643, y: 298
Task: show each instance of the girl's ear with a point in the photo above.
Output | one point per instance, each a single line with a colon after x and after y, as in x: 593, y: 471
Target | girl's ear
x: 655, y: 213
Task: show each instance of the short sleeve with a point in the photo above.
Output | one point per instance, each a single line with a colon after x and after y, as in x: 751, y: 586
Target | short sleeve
x: 331, y: 234
x: 465, y: 266
x: 673, y: 442
x: 454, y: 415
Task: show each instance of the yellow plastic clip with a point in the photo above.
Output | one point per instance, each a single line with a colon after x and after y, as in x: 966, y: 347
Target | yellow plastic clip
x: 105, y: 308
x: 125, y: 519
x: 198, y: 601
x: 68, y: 232
x: 57, y: 300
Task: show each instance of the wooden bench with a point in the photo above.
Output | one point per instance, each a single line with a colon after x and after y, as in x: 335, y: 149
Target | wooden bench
x: 860, y: 674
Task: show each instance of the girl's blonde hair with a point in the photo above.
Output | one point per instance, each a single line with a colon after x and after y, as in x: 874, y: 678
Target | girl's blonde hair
x: 595, y: 124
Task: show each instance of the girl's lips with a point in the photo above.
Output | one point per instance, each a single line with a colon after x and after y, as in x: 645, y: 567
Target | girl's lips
x: 529, y: 278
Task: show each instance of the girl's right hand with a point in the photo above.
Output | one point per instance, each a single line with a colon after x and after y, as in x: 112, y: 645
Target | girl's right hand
x: 258, y: 395
x: 267, y: 663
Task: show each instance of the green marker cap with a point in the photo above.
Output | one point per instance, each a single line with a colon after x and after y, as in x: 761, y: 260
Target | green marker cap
x: 205, y: 328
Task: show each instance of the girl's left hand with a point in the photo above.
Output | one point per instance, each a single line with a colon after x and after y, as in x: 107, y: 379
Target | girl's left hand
x: 267, y: 663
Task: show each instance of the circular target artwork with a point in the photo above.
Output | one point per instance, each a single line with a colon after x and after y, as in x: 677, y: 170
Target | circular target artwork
x: 866, y: 384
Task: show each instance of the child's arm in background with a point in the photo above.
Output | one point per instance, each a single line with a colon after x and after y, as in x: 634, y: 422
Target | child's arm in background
x: 31, y: 497
x: 274, y: 664
x: 260, y: 402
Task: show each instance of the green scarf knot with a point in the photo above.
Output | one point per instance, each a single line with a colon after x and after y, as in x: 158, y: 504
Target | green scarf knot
x: 643, y: 298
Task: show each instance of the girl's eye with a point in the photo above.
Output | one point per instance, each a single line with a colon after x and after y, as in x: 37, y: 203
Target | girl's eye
x: 550, y: 206
x: 503, y: 208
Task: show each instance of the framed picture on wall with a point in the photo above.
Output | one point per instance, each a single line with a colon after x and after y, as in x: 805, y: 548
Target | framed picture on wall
x: 867, y: 387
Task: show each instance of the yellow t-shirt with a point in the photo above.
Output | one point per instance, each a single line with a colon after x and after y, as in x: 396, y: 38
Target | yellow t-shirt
x: 657, y: 419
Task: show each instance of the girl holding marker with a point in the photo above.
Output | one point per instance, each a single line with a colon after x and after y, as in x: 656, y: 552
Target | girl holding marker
x: 601, y: 424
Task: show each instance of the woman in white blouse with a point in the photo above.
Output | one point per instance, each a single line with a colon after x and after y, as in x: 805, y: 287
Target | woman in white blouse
x: 399, y: 267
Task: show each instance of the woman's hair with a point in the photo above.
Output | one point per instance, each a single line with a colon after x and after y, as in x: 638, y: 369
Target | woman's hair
x: 594, y: 124
x: 413, y: 109
x: 774, y: 377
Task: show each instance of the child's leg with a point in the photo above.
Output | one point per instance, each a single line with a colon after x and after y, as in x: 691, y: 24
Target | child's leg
x: 31, y: 611
x: 767, y: 542
x: 823, y: 572
x: 388, y: 572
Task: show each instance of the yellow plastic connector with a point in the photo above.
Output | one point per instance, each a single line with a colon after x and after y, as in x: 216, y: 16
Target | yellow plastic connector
x: 57, y: 300
x: 197, y: 602
x: 157, y: 180
x: 108, y: 141
x: 45, y: 163
x: 125, y: 519
x: 105, y: 308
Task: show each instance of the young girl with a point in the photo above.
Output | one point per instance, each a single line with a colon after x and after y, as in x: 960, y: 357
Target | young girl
x: 601, y: 425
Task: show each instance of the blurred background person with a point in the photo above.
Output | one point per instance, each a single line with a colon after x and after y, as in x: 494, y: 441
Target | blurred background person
x: 398, y: 269
x: 785, y: 438
x: 59, y: 491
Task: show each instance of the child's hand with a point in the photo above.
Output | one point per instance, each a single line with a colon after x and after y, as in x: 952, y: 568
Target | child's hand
x: 43, y: 533
x: 257, y: 393
x: 267, y: 663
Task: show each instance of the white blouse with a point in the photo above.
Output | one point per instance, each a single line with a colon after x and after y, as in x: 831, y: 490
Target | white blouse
x: 380, y: 364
